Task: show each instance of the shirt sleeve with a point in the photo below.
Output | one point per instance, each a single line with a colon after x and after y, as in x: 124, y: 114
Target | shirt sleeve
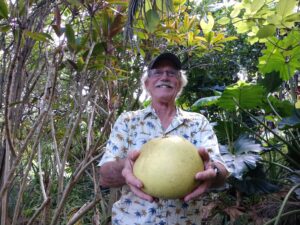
x: 117, y: 145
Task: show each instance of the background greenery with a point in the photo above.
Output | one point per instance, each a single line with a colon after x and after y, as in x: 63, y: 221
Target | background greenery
x: 68, y: 68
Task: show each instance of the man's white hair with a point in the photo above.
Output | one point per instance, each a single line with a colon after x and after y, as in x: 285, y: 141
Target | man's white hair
x: 182, y: 78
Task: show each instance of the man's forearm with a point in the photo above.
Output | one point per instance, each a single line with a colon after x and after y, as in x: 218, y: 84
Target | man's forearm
x: 111, y: 174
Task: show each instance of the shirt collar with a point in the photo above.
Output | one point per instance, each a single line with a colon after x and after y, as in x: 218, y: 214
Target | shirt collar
x: 179, y: 113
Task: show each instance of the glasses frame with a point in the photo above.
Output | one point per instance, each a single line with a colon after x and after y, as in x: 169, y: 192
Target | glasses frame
x: 159, y: 73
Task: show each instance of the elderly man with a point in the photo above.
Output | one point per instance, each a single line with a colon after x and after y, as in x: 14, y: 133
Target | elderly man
x: 163, y: 80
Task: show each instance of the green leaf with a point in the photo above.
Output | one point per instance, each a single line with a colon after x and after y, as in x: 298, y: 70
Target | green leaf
x: 271, y: 81
x: 207, y: 25
x: 151, y: 20
x: 266, y: 31
x: 281, y: 55
x: 243, y: 27
x: 236, y: 10
x: 290, y: 122
x: 257, y: 5
x: 70, y: 36
x: 118, y: 2
x: 295, y: 17
x: 203, y: 102
x: 224, y: 21
x: 248, y: 96
x: 285, y: 7
x: 37, y: 36
x: 3, y: 9
x: 4, y: 28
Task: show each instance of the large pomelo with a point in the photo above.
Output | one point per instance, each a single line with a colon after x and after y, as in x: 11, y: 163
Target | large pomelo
x: 167, y: 167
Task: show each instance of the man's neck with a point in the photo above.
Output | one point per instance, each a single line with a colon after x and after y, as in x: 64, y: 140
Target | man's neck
x: 165, y: 112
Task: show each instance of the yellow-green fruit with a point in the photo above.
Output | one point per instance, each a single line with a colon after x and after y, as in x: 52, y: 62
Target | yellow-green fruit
x: 167, y: 167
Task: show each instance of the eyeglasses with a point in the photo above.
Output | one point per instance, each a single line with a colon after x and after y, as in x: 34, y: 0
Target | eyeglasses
x: 160, y: 73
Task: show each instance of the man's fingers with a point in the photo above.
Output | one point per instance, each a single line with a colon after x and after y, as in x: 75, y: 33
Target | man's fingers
x: 208, y: 174
x: 204, y: 154
x: 141, y: 194
x: 198, y: 191
x: 133, y: 155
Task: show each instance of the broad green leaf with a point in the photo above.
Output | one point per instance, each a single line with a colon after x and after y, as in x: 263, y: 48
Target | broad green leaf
x: 281, y: 55
x: 266, y: 31
x: 236, y: 10
x: 151, y: 20
x: 290, y: 122
x: 70, y: 36
x: 148, y: 5
x: 247, y: 96
x: 285, y: 7
x: 257, y: 5
x: 243, y: 26
x: 271, y: 81
x: 207, y: 25
x: 283, y: 108
x: 3, y: 9
x: 275, y: 20
x: 224, y: 21
x: 295, y: 17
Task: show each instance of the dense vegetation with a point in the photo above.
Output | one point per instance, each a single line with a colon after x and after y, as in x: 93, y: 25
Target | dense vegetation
x: 69, y: 67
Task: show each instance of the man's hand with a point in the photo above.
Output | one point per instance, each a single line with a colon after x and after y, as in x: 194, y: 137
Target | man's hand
x: 134, y: 183
x: 205, y: 178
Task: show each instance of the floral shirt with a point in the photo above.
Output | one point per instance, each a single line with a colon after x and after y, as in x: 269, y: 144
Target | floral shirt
x: 130, y: 132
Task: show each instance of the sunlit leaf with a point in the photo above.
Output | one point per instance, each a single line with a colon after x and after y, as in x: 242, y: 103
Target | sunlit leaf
x: 224, y: 21
x: 207, y: 24
x: 285, y: 7
x: 257, y: 5
x: 295, y: 17
x: 236, y: 11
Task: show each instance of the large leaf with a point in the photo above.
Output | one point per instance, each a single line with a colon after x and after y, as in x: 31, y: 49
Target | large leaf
x: 266, y: 31
x: 151, y: 20
x: 254, y: 182
x: 271, y: 81
x: 243, y: 157
x: 283, y: 108
x: 282, y: 56
x: 247, y: 96
x: 286, y: 7
x: 3, y: 9
x: 290, y: 122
